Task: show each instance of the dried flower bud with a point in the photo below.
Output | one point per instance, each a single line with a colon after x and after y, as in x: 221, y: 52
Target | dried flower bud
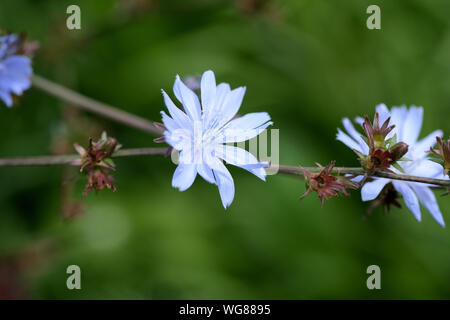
x: 443, y: 153
x: 376, y: 135
x: 163, y: 128
x: 387, y: 197
x: 325, y: 184
x: 99, y: 179
x: 376, y: 159
x: 97, y: 163
x: 398, y: 151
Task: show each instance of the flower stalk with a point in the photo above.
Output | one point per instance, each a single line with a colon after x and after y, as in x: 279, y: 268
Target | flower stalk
x: 68, y: 159
x: 297, y: 172
x: 78, y: 100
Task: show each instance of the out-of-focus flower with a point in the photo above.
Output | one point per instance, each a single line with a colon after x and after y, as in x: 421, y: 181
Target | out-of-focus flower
x: 97, y: 163
x: 325, y: 184
x: 15, y: 68
x: 443, y: 153
x: 201, y: 131
x: 408, y: 123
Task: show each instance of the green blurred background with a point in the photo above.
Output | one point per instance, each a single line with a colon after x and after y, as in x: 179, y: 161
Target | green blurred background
x: 309, y: 63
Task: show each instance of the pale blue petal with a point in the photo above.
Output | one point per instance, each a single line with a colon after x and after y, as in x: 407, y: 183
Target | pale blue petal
x: 409, y: 197
x: 428, y: 200
x: 349, y: 142
x: 249, y: 121
x: 231, y: 104
x: 188, y: 98
x: 184, y: 176
x: 418, y: 150
x: 398, y: 117
x: 241, y: 158
x: 412, y: 125
x: 372, y: 189
x: 208, y: 90
x: 359, y: 121
x: 425, y: 168
x: 225, y: 182
x: 179, y: 116
x: 239, y: 135
x: 355, y: 135
x: 383, y: 112
x: 206, y: 172
x: 169, y: 123
x: 6, y: 97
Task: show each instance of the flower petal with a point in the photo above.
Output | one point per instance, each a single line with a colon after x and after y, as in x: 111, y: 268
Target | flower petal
x: 398, y: 116
x: 418, y: 150
x: 225, y: 182
x: 355, y: 135
x: 208, y: 91
x: 179, y: 116
x: 6, y: 97
x: 206, y: 172
x: 245, y: 128
x: 241, y: 158
x: 184, y: 176
x: 249, y: 121
x: 169, y: 123
x: 409, y: 197
x: 188, y: 98
x: 424, y: 168
x: 383, y: 112
x: 231, y: 104
x: 428, y: 200
x: 412, y: 125
x: 349, y: 142
x: 372, y: 189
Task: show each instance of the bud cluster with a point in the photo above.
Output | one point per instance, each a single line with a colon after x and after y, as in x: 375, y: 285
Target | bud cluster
x: 443, y: 154
x: 325, y: 184
x: 383, y: 152
x: 96, y: 162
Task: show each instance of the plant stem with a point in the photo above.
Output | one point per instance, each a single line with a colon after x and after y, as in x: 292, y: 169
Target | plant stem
x: 86, y: 103
x: 66, y: 159
x: 295, y: 171
x: 289, y: 170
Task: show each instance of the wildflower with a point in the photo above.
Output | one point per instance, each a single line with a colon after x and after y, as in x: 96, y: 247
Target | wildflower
x: 15, y: 68
x: 408, y: 123
x: 200, y: 132
x: 325, y: 184
x: 97, y: 163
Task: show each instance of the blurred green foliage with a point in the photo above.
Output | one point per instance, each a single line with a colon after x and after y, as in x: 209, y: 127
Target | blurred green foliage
x: 309, y: 63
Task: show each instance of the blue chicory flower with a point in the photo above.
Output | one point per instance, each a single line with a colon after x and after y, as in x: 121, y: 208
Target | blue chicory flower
x: 15, y: 69
x: 201, y: 132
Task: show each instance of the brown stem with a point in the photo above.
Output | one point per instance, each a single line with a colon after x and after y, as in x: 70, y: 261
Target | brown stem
x: 295, y: 171
x: 86, y: 103
x: 66, y: 159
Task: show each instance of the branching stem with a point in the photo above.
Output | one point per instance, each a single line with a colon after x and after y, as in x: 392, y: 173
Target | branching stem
x: 295, y: 171
x: 78, y: 100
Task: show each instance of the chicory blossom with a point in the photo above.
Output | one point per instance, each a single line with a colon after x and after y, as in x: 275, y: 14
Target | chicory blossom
x: 15, y: 69
x: 408, y: 123
x: 200, y: 132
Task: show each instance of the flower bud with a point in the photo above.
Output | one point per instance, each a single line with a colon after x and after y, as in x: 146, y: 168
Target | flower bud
x: 443, y: 153
x: 325, y: 184
x: 398, y: 151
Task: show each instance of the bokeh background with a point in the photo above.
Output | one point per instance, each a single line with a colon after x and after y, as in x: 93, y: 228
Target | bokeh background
x: 309, y: 63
